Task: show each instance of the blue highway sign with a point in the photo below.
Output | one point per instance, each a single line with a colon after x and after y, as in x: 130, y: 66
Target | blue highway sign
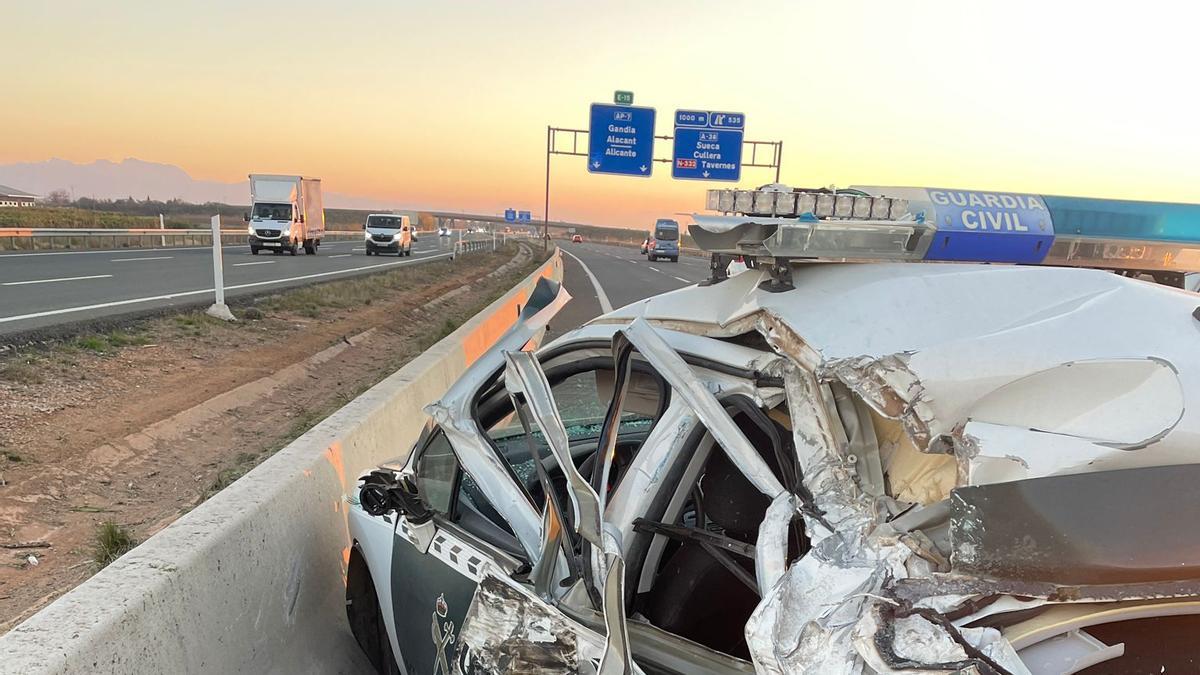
x: 524, y: 216
x: 621, y: 140
x: 708, y: 145
x: 510, y: 215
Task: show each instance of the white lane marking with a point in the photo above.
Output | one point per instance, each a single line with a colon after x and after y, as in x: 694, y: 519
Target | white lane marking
x: 686, y: 281
x: 656, y: 269
x: 605, y: 305
x: 260, y: 262
x: 340, y: 255
x: 182, y: 294
x: 156, y: 257
x: 51, y: 281
x: 110, y: 251
x: 358, y: 249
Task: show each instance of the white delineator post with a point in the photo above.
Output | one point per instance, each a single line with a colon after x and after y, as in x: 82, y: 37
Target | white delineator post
x: 219, y: 309
x: 162, y: 226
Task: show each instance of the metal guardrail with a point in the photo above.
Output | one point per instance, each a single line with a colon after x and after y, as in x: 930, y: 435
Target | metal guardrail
x: 46, y: 238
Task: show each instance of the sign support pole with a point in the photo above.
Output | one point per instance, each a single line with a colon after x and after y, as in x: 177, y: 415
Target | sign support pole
x: 546, y: 212
x: 778, y: 158
x: 162, y: 226
x: 219, y: 309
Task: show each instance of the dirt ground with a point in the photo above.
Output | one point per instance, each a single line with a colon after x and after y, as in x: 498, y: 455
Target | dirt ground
x: 139, y: 426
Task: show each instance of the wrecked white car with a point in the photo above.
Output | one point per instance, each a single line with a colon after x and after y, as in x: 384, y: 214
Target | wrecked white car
x: 811, y: 468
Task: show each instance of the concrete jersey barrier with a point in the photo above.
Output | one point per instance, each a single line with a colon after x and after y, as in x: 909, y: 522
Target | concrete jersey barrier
x: 253, y: 580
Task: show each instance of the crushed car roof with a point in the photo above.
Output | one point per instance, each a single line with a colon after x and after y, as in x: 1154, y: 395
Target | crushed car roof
x: 1047, y: 349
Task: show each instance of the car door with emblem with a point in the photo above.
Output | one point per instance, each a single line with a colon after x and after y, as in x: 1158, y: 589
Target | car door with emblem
x: 435, y: 564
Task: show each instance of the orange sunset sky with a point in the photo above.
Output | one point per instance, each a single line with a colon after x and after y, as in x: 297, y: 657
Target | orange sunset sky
x: 445, y: 104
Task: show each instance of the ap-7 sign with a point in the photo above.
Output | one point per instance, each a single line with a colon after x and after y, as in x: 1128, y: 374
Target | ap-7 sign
x: 621, y: 140
x: 708, y: 145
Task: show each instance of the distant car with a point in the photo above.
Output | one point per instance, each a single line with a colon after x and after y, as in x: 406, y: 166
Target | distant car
x: 443, y: 232
x: 576, y: 239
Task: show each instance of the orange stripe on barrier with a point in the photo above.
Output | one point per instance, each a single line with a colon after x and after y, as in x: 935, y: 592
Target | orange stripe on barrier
x: 486, y: 333
x: 15, y: 232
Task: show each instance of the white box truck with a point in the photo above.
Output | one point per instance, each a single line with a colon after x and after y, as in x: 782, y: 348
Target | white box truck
x: 286, y: 214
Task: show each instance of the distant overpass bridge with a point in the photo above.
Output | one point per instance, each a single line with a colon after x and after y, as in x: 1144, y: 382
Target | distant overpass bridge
x: 458, y: 220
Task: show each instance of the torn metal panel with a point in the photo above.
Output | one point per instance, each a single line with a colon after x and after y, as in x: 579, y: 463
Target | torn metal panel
x: 887, y: 385
x: 508, y: 630
x: 770, y: 549
x: 454, y: 412
x: 892, y: 641
x: 1109, y: 527
x: 652, y: 466
x: 617, y: 659
x: 523, y: 375
x: 997, y: 454
x: 805, y: 623
x: 1122, y: 403
x: 684, y: 384
x: 827, y: 475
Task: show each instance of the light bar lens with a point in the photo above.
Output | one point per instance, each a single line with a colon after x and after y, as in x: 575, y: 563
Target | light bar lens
x: 743, y: 201
x: 785, y: 204
x: 806, y: 203
x: 764, y: 203
x: 844, y: 206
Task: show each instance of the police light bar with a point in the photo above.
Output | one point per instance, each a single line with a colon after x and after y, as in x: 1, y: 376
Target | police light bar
x: 931, y: 224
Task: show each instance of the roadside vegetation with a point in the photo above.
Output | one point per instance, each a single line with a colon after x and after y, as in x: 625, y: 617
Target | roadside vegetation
x: 112, y: 542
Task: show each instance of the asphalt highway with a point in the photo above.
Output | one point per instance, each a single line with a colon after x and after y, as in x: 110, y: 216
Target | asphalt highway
x: 601, y: 278
x: 40, y: 290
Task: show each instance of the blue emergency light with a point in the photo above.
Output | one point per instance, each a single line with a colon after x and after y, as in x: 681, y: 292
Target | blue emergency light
x: 934, y: 224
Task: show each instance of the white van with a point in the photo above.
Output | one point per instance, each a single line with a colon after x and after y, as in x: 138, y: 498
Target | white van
x: 388, y: 233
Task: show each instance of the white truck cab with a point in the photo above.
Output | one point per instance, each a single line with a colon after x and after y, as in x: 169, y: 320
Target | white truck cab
x: 286, y: 214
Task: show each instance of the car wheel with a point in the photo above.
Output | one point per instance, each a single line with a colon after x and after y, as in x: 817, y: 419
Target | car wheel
x: 253, y: 250
x: 369, y: 251
x: 292, y: 250
x: 651, y: 258
x: 365, y: 617
x: 675, y: 259
x: 310, y: 248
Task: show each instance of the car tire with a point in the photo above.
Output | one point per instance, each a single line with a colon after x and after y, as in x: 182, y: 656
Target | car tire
x: 253, y: 250
x: 310, y: 248
x: 651, y: 258
x: 675, y: 259
x: 292, y: 250
x: 369, y: 251
x: 365, y: 617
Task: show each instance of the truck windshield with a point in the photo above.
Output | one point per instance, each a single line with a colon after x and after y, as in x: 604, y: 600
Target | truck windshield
x: 666, y: 230
x: 272, y: 211
x: 384, y: 222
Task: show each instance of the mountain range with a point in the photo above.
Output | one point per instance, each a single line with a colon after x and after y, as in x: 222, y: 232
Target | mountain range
x: 103, y: 179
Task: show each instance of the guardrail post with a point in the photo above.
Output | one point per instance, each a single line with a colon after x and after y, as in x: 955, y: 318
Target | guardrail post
x: 219, y: 309
x: 162, y: 226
